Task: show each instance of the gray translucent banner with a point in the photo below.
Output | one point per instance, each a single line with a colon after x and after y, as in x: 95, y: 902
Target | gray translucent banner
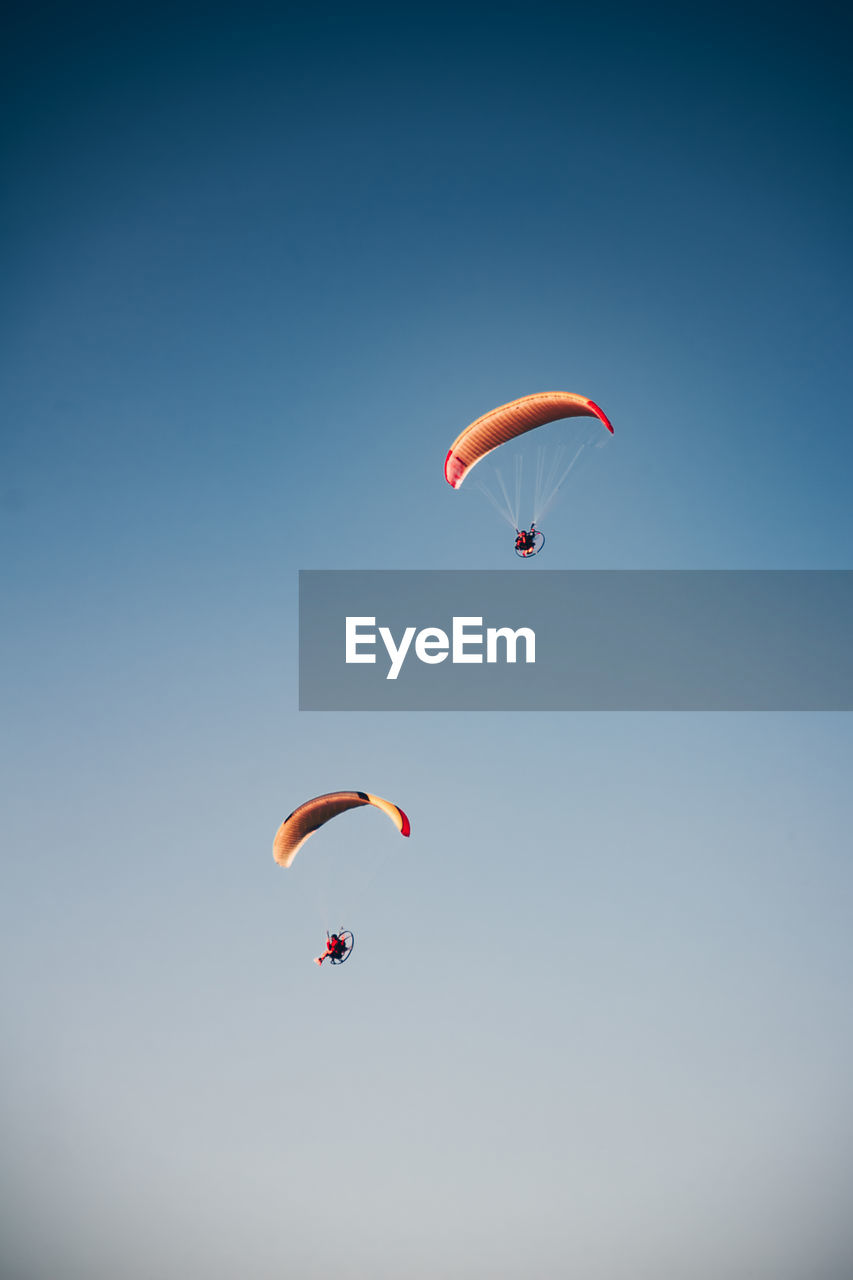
x: 616, y: 640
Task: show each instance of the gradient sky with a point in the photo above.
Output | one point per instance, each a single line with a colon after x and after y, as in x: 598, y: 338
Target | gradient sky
x: 260, y: 267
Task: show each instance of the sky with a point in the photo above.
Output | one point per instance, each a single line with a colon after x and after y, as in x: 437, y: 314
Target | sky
x: 261, y: 265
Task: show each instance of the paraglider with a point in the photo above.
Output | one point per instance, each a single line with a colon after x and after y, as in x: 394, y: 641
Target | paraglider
x: 338, y: 947
x: 308, y: 818
x: 312, y: 815
x: 511, y: 420
x: 529, y: 542
x: 506, y: 423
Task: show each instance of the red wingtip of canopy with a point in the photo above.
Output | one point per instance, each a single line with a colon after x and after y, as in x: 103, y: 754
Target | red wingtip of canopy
x: 407, y: 826
x: 599, y: 413
x: 446, y: 461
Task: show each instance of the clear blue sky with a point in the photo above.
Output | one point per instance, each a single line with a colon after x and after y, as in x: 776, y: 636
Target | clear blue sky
x: 260, y: 268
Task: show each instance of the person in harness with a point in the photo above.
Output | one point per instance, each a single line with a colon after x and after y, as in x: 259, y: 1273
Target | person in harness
x: 336, y: 949
x: 525, y: 542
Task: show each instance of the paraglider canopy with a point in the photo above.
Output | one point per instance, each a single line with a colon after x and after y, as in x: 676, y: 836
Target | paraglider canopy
x: 510, y: 420
x: 305, y: 820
